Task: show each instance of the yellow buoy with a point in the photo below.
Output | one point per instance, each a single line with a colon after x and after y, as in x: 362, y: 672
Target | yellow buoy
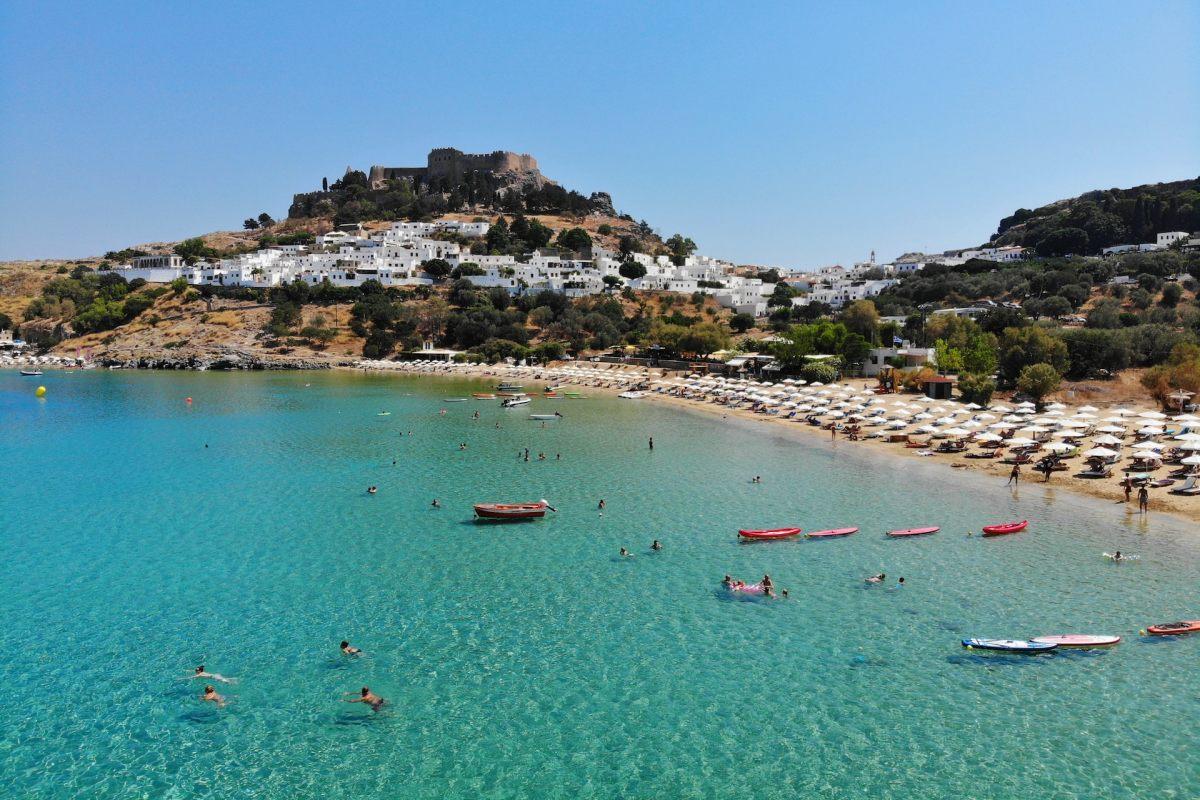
x: 41, y: 391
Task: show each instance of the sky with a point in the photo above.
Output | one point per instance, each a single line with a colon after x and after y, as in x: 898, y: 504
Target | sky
x: 795, y: 134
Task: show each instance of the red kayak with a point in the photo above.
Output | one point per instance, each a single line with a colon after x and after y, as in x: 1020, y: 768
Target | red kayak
x: 1007, y: 527
x: 511, y: 510
x: 915, y: 531
x: 1174, y: 628
x: 770, y: 533
x: 832, y: 532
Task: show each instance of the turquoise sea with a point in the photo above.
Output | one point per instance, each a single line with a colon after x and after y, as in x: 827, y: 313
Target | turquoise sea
x: 142, y: 536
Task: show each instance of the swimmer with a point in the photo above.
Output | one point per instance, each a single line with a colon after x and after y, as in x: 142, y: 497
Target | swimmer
x: 727, y: 582
x: 200, y: 672
x: 767, y: 583
x: 876, y: 578
x: 373, y: 700
x: 371, y: 490
x: 1116, y: 556
x: 625, y: 553
x: 656, y: 545
x: 435, y: 503
x: 350, y: 650
x: 785, y: 594
x: 900, y: 583
x: 210, y: 696
x: 600, y: 507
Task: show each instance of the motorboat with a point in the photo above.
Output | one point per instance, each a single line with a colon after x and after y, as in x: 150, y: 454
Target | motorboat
x: 631, y: 395
x: 513, y: 402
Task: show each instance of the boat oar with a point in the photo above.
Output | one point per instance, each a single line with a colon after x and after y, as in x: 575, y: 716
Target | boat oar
x: 547, y: 505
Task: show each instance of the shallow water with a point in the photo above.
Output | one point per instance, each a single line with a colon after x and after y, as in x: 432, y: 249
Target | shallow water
x: 529, y: 660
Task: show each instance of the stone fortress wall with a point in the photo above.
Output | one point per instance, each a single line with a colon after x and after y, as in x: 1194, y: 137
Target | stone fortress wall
x: 452, y: 164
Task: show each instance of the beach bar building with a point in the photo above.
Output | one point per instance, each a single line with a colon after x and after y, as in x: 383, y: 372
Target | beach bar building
x: 938, y: 387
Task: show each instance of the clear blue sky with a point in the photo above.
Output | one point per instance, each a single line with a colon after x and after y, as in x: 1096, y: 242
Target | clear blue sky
x: 797, y: 134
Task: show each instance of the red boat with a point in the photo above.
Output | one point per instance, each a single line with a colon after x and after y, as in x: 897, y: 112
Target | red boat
x: 511, y: 511
x: 829, y: 534
x: 771, y: 533
x: 914, y: 531
x: 1007, y: 527
x: 1174, y: 628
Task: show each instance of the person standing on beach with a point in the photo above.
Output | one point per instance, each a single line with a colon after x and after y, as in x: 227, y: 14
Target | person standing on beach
x: 1128, y: 485
x: 1014, y: 477
x: 1143, y: 500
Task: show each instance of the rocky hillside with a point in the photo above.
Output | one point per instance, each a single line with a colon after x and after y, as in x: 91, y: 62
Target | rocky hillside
x: 1087, y: 224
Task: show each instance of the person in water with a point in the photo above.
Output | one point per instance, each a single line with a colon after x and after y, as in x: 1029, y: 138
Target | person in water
x: 1014, y: 477
x: 1143, y: 500
x: 373, y: 700
x: 435, y: 503
x: 876, y: 578
x: 600, y: 507
x: 656, y: 545
x: 1117, y: 556
x: 900, y: 583
x: 651, y: 442
x: 767, y: 583
x: 200, y: 672
x: 727, y: 582
x: 349, y: 649
x: 371, y: 490
x: 625, y: 553
x: 210, y: 696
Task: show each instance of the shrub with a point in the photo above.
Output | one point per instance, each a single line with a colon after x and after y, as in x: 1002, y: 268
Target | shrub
x: 819, y: 371
x: 976, y: 389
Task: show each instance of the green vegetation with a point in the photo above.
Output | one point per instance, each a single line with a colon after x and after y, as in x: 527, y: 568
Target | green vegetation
x: 1180, y: 373
x: 1087, y: 224
x: 91, y: 301
x: 351, y: 199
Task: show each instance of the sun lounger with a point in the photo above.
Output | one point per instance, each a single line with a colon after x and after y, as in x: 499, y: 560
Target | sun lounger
x: 1188, y: 487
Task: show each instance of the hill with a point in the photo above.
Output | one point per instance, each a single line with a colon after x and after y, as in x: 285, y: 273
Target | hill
x: 1086, y: 224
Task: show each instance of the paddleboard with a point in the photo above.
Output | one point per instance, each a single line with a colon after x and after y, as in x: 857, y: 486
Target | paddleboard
x: 832, y: 532
x: 1174, y: 628
x: 1008, y: 645
x: 914, y: 531
x: 1077, y: 640
x: 1124, y: 557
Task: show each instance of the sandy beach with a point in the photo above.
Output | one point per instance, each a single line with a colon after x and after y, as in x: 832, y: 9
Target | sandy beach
x: 613, y: 379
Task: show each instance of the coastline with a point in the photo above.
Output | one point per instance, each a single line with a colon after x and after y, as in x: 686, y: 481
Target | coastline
x: 1108, y: 490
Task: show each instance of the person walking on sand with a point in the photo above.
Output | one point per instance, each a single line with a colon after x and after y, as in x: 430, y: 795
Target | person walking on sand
x: 1143, y: 500
x: 1128, y: 485
x: 1014, y: 477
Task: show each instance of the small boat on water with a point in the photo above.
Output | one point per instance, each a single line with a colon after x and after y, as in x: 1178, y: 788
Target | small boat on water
x: 512, y: 402
x: 511, y: 511
x: 456, y: 399
x: 1174, y: 628
x: 29, y: 373
x: 384, y: 414
x: 484, y: 396
x: 1007, y: 527
x: 631, y: 395
x: 831, y: 533
x: 1009, y: 645
x: 573, y: 395
x: 914, y: 531
x: 551, y: 389
x: 509, y: 387
x: 1077, y: 640
x: 770, y: 533
x: 545, y: 416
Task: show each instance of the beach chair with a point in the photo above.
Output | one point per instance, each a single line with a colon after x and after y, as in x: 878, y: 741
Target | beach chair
x: 1188, y: 487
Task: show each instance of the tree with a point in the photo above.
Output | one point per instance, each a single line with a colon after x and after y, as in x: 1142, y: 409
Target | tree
x: 250, y: 224
x: 1023, y: 347
x: 1063, y: 241
x: 1180, y: 372
x: 379, y: 344
x: 1038, y: 381
x: 1105, y: 314
x: 819, y: 372
x: 1056, y: 307
x: 264, y: 219
x: 632, y: 270
x: 704, y: 338
x: 627, y: 245
x: 976, y: 389
x: 611, y: 281
x: 194, y: 249
x: 6, y: 322
x: 681, y: 247
x: 862, y: 318
x: 574, y: 239
x: 436, y: 268
x: 604, y: 229
x: 741, y: 322
x: 1171, y: 294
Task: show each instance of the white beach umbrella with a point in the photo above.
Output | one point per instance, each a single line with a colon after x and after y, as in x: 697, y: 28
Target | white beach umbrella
x: 1100, y: 452
x: 1190, y: 445
x: 1148, y: 446
x: 1151, y: 430
x: 1081, y: 408
x: 1059, y: 447
x: 1106, y: 439
x: 956, y: 432
x: 1110, y: 429
x: 1146, y: 455
x: 1123, y: 412
x: 1020, y: 441
x: 989, y: 437
x: 1056, y: 406
x: 1191, y: 460
x: 1152, y: 415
